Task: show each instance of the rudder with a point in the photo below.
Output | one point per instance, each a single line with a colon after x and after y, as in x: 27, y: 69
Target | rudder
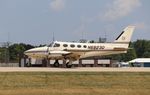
x: 125, y: 36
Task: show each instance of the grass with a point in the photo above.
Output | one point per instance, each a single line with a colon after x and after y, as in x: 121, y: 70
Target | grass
x: 73, y: 83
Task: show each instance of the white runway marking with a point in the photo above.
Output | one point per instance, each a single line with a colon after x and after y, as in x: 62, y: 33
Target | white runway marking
x: 78, y: 69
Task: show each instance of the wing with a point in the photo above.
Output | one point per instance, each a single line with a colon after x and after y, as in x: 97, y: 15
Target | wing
x: 64, y: 55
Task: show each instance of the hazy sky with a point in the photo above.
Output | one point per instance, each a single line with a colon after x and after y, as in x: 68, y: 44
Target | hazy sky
x: 35, y: 21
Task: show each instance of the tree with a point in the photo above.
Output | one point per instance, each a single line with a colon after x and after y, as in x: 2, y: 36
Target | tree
x: 2, y: 55
x: 142, y: 47
x: 130, y: 55
x: 17, y: 50
x: 146, y: 54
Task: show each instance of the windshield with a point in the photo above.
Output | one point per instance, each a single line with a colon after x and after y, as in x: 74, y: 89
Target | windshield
x: 51, y: 44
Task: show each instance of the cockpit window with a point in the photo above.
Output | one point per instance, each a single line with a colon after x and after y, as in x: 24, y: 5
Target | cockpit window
x: 57, y: 45
x: 51, y: 45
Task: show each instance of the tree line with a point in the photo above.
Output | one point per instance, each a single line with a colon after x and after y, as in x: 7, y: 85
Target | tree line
x: 137, y: 49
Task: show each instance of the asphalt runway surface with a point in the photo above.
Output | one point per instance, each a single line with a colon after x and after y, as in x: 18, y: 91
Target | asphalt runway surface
x: 77, y: 69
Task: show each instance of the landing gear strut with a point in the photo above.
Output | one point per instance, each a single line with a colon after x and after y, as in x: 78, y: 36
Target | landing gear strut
x: 69, y: 64
x: 56, y: 63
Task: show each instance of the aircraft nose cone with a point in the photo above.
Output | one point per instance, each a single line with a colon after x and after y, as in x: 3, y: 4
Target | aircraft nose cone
x: 29, y: 51
x: 40, y: 50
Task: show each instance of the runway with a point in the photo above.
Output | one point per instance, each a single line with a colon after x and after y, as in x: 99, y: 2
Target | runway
x: 78, y: 69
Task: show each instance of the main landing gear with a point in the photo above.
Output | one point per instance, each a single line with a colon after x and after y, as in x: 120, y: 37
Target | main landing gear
x: 56, y: 63
x: 68, y: 64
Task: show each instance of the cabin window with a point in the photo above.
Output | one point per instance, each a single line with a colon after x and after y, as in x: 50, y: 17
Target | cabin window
x: 72, y: 45
x: 85, y: 46
x: 79, y: 46
x: 65, y: 45
x: 57, y: 45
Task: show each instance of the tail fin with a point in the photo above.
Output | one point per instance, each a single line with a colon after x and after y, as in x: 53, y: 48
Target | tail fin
x: 125, y: 36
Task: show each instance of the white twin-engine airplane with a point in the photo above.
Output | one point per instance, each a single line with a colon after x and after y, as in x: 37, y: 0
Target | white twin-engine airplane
x: 72, y: 51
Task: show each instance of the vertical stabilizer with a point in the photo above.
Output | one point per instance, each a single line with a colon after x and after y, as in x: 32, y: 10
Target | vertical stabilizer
x: 125, y: 36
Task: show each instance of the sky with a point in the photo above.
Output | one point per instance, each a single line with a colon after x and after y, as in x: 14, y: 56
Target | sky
x: 36, y: 21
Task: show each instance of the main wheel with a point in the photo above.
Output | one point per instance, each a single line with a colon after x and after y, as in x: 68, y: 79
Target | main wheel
x: 68, y: 65
x: 56, y: 63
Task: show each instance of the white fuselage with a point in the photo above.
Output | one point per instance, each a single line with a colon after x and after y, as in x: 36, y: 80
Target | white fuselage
x: 74, y: 51
x: 59, y: 50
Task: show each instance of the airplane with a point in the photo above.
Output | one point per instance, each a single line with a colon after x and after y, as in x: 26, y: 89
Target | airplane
x: 72, y: 51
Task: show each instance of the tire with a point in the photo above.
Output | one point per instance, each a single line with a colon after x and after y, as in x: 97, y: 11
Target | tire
x: 68, y: 65
x: 56, y: 64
